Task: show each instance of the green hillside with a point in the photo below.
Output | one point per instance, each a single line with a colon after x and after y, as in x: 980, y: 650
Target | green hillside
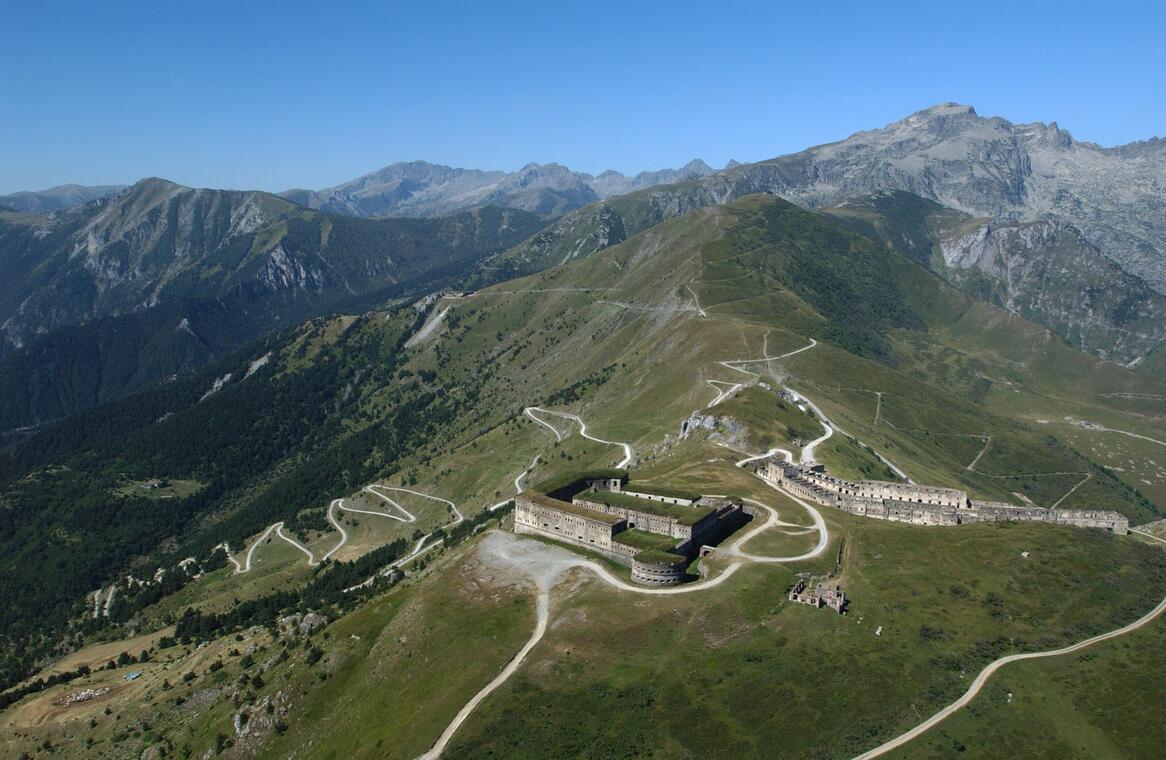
x: 951, y: 390
x: 158, y: 281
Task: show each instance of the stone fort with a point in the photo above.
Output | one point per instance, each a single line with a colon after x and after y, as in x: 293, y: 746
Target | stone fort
x: 655, y: 530
x: 921, y: 505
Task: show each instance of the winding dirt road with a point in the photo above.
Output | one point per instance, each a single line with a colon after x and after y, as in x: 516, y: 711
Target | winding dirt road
x: 830, y: 428
x: 732, y: 364
x: 405, y: 516
x: 789, y: 457
x: 1148, y: 535
x: 311, y: 557
x: 540, y: 627
x: 987, y: 672
x: 1103, y: 429
x: 627, y: 449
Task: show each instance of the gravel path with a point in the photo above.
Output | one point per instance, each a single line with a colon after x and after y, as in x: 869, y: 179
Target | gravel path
x: 627, y: 449
x: 987, y: 672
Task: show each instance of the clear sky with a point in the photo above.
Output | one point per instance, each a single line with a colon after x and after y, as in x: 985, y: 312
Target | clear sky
x: 273, y: 95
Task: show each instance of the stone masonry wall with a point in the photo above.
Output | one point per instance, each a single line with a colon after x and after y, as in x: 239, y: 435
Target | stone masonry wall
x: 926, y: 505
x: 531, y: 517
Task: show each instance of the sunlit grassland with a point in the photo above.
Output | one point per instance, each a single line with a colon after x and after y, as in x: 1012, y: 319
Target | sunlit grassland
x: 1095, y: 703
x: 742, y: 671
x: 276, y: 565
x: 400, y: 667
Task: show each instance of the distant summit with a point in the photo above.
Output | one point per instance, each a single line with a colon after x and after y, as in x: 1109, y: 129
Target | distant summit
x: 59, y: 198
x: 419, y: 188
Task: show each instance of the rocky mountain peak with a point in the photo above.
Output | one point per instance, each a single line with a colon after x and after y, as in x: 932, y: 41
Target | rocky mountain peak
x: 944, y: 110
x: 990, y: 167
x: 696, y: 167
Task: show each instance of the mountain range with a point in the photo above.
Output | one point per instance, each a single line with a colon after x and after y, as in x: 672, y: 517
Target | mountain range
x: 157, y: 278
x: 419, y: 188
x: 263, y: 509
x: 268, y: 445
x: 59, y: 198
x: 1104, y: 206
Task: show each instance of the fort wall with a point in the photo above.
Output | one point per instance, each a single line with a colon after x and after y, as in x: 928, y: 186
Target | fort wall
x: 660, y: 572
x: 657, y: 497
x: 594, y: 520
x: 922, y: 505
x: 667, y: 525
x: 555, y: 519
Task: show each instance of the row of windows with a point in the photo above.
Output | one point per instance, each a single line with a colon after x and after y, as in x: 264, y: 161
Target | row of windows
x: 580, y: 537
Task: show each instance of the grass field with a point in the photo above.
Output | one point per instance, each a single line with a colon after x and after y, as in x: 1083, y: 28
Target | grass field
x: 743, y: 672
x: 159, y: 488
x: 404, y: 664
x: 1079, y: 706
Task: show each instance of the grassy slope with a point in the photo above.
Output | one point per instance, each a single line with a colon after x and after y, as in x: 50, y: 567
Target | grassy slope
x: 742, y: 670
x: 689, y: 662
x: 1071, y: 707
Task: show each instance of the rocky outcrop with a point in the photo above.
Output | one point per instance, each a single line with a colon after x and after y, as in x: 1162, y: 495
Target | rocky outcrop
x: 1044, y: 271
x: 722, y: 428
x: 991, y: 167
x: 283, y: 269
x: 1047, y: 272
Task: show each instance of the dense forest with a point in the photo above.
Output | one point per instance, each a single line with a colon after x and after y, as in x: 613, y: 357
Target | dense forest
x: 291, y: 436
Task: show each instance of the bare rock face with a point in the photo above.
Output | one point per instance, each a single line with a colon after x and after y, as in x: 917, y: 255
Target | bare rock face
x: 311, y: 622
x: 984, y: 167
x: 994, y: 168
x: 722, y: 428
x: 1046, y: 272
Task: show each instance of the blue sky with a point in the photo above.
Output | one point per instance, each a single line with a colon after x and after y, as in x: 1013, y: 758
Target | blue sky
x: 278, y: 95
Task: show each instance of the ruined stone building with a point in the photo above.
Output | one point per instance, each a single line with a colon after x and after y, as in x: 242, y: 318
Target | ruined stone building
x: 921, y: 505
x: 819, y: 595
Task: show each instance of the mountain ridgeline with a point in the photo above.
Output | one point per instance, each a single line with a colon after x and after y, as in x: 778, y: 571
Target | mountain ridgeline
x: 59, y: 198
x: 1036, y: 195
x: 419, y: 188
x: 207, y: 399
x: 104, y: 290
x: 161, y: 278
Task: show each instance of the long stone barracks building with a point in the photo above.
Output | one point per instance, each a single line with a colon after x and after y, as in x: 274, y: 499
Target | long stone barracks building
x: 921, y: 505
x: 656, y: 531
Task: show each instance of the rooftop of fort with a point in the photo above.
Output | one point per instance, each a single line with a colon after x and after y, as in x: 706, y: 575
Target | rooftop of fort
x: 660, y: 557
x: 642, y: 539
x: 683, y: 515
x: 656, y: 529
x: 661, y: 490
x: 573, y: 509
x: 570, y: 483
